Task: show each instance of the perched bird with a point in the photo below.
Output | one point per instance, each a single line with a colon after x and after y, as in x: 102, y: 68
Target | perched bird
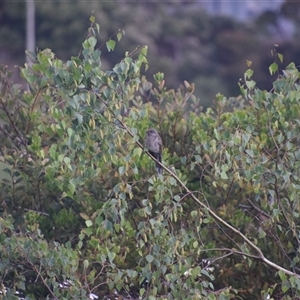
x: 153, y: 143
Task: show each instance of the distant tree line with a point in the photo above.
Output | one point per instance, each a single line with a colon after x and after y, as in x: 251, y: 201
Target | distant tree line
x: 184, y: 42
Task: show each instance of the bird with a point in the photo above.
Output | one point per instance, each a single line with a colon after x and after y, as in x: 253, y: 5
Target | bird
x: 153, y: 143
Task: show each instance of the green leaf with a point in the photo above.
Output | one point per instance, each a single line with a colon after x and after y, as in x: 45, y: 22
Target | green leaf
x: 250, y: 84
x: 52, y: 151
x: 6, y: 170
x: 98, y: 27
x: 273, y: 68
x: 110, y: 45
x: 92, y: 19
x: 144, y: 50
x: 285, y: 287
x: 194, y: 213
x: 85, y: 264
x: 67, y: 161
x: 282, y: 275
x: 261, y: 233
x: 224, y: 172
x: 88, y: 223
x: 250, y: 152
x: 137, y: 152
x: 122, y: 170
x: 249, y: 73
x: 111, y: 256
x: 92, y: 41
x: 71, y: 187
x: 149, y: 258
x: 6, y: 181
x: 20, y: 179
x: 173, y: 181
x: 119, y: 36
x: 183, y: 160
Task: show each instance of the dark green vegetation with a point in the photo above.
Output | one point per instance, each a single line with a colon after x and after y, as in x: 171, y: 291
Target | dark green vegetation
x: 81, y: 201
x: 184, y: 42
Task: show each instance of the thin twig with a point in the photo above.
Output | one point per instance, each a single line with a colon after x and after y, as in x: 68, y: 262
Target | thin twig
x: 42, y: 278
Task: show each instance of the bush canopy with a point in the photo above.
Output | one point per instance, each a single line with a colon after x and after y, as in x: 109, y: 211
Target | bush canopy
x: 84, y: 214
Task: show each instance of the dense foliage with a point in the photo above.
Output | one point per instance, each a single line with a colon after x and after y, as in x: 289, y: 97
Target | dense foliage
x: 83, y: 211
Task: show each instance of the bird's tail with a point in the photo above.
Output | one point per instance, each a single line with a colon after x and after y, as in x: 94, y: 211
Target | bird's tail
x: 159, y: 169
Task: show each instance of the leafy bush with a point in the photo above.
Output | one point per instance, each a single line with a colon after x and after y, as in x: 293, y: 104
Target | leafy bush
x: 81, y: 203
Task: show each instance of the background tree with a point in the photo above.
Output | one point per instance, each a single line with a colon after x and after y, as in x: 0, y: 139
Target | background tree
x: 184, y: 42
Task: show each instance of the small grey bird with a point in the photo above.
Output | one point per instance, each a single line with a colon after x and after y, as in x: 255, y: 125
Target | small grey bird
x: 153, y: 143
